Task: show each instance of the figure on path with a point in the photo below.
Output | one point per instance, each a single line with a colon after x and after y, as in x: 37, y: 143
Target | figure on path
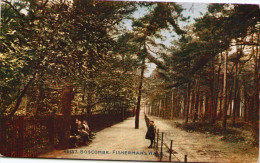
x: 150, y: 133
x: 87, y: 129
x: 84, y: 134
x: 74, y: 138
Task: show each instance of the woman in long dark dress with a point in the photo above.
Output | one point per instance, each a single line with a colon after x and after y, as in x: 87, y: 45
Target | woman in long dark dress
x: 150, y: 133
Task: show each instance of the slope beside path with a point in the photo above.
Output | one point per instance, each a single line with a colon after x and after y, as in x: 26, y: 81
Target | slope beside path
x: 201, y: 147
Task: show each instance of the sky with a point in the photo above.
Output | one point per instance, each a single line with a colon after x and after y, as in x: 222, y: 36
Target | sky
x: 193, y: 10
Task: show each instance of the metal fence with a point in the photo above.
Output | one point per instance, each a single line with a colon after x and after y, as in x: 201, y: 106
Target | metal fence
x: 163, y: 146
x: 22, y: 136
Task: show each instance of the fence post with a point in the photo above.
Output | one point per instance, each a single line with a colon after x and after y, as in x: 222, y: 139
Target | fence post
x: 170, y: 157
x: 185, y: 158
x: 154, y: 140
x: 157, y: 140
x: 161, y: 154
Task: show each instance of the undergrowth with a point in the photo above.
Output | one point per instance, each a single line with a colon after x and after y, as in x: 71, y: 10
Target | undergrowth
x: 236, y: 134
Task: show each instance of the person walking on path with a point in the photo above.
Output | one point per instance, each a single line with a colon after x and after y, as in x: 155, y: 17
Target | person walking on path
x: 150, y: 133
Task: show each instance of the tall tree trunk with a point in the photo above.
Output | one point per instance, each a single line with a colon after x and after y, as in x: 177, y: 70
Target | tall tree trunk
x: 197, y: 87
x: 236, y: 90
x: 193, y: 96
x: 187, y: 105
x: 177, y: 105
x: 256, y: 79
x: 172, y: 104
x: 220, y: 101
x: 200, y: 104
x: 66, y: 99
x: 224, y: 96
x: 220, y: 88
x: 207, y: 109
x: 217, y: 94
x: 184, y: 105
x: 213, y: 92
x: 245, y: 104
x: 139, y: 95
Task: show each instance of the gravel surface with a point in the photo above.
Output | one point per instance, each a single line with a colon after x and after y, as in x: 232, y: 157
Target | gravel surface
x: 122, y: 142
x: 118, y: 142
x: 201, y: 147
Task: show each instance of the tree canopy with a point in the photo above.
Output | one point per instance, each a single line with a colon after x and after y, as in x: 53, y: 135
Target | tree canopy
x: 49, y: 45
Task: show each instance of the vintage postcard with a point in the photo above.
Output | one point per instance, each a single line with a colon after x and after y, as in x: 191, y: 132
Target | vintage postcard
x: 129, y: 80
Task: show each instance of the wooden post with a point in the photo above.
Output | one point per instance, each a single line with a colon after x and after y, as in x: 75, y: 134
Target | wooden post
x: 161, y: 154
x: 155, y: 133
x: 157, y: 140
x: 185, y: 158
x: 170, y: 157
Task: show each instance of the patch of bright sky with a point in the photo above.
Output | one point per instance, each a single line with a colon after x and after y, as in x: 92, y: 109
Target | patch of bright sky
x: 193, y: 10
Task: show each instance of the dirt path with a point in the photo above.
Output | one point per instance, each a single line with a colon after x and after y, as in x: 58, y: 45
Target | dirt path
x: 202, y: 147
x: 118, y: 142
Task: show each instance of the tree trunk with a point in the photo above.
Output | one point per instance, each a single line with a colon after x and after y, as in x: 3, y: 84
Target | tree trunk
x: 66, y: 99
x: 220, y: 101
x: 184, y: 105
x: 213, y: 93
x: 224, y: 96
x: 172, y: 104
x: 188, y: 104
x: 19, y: 99
x: 201, y: 105
x: 197, y: 87
x: 217, y: 94
x: 245, y: 104
x: 207, y: 110
x: 192, y: 103
x: 236, y: 90
x: 256, y: 80
x: 139, y: 95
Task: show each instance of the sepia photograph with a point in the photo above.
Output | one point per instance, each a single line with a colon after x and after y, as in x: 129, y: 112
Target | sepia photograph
x: 131, y: 81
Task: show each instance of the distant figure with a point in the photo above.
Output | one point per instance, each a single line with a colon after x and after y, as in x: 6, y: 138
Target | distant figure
x: 150, y: 133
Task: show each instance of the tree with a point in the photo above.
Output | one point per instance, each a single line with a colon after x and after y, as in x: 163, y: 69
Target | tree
x: 147, y: 28
x: 39, y: 45
x: 197, y: 58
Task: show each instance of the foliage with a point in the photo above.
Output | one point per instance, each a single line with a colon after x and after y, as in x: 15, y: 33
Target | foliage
x: 57, y: 42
